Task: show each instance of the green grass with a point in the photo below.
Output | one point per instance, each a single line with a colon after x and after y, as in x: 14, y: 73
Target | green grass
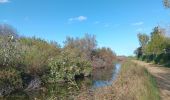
x: 152, y: 86
x: 136, y: 83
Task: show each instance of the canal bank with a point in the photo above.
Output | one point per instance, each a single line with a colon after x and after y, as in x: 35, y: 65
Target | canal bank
x: 132, y: 83
x: 99, y: 78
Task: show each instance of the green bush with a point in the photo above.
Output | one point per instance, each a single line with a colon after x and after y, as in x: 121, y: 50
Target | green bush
x: 10, y: 54
x: 67, y: 65
x: 36, y: 55
x: 11, y: 77
x: 23, y: 59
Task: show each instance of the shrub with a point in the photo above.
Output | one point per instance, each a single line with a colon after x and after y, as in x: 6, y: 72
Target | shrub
x: 10, y: 54
x: 67, y: 65
x: 103, y: 58
x: 36, y: 55
x: 10, y: 80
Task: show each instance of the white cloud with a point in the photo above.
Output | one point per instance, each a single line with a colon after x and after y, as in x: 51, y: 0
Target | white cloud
x: 4, y: 1
x: 138, y: 23
x: 78, y: 18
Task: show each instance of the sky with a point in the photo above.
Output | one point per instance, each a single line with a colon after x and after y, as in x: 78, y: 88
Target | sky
x: 115, y: 23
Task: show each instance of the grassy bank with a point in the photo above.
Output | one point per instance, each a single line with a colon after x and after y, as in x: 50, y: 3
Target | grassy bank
x: 133, y: 83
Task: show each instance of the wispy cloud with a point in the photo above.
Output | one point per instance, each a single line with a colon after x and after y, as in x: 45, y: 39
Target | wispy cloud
x: 138, y: 23
x: 4, y: 1
x: 78, y: 18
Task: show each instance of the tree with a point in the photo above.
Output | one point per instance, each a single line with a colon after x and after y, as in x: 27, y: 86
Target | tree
x: 166, y: 3
x: 157, y: 31
x: 143, y: 39
x: 86, y: 45
x: 138, y: 52
x: 157, y: 43
x: 103, y: 57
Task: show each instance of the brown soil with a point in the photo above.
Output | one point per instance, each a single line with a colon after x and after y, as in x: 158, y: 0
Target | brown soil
x: 162, y: 76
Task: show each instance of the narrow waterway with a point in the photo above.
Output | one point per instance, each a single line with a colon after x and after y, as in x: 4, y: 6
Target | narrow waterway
x: 105, y: 77
x: 99, y: 78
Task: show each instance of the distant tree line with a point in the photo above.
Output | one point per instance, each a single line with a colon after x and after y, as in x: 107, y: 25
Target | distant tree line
x: 154, y: 48
x: 27, y: 63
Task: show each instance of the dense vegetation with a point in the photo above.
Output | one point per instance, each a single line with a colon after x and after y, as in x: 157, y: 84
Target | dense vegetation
x: 155, y: 48
x: 28, y: 63
x: 133, y: 83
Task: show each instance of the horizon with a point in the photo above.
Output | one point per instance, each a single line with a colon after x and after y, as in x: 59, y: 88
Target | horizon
x: 115, y: 24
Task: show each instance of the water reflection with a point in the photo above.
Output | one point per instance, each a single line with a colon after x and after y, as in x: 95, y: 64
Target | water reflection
x: 100, y: 78
x: 105, y: 77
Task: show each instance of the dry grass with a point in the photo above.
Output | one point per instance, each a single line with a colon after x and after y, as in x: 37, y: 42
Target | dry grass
x: 133, y: 83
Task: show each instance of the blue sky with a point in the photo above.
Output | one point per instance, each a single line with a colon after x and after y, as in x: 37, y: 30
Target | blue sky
x: 114, y: 22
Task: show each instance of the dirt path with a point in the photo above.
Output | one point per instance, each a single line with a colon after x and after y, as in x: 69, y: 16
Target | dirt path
x: 162, y: 75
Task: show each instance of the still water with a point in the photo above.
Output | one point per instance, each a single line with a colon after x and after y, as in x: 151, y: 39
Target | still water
x: 105, y: 77
x: 99, y: 78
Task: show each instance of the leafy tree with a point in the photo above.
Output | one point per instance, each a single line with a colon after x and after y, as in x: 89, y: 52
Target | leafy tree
x: 103, y: 57
x: 157, y: 43
x: 86, y: 45
x: 138, y: 52
x: 87, y: 49
x: 157, y: 31
x: 143, y: 39
x: 157, y: 49
x: 166, y: 3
